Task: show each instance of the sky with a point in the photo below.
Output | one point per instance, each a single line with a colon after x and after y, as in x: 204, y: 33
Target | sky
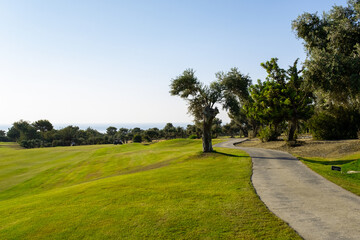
x: 107, y: 61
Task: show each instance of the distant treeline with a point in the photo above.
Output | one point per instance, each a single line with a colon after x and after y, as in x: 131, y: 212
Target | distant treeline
x: 42, y: 134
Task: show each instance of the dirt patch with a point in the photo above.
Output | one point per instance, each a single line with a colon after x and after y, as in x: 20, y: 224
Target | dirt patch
x: 310, y: 148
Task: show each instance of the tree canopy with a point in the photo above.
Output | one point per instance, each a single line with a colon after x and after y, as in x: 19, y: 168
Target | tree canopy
x: 333, y: 48
x: 201, y: 101
x: 332, y: 43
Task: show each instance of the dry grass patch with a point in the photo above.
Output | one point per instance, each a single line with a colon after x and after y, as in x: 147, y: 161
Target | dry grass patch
x: 310, y: 148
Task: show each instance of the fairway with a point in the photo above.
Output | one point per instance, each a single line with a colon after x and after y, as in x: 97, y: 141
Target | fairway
x: 167, y: 190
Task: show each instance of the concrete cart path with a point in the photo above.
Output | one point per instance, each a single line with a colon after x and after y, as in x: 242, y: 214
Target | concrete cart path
x: 315, y: 207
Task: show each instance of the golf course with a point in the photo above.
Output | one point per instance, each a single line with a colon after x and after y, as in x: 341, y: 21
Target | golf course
x: 165, y: 190
x: 180, y: 120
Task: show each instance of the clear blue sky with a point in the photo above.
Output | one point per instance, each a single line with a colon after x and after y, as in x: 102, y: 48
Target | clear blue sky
x: 73, y: 61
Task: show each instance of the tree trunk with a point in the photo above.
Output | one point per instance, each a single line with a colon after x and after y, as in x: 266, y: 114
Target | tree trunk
x: 291, y: 134
x: 255, y: 130
x: 206, y: 138
x: 208, y: 117
x: 245, y: 132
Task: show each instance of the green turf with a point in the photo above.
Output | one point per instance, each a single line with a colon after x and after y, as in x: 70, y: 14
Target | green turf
x: 167, y: 190
x: 322, y: 166
x: 351, y: 166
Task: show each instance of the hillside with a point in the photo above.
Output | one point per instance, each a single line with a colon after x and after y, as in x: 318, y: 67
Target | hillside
x: 159, y: 191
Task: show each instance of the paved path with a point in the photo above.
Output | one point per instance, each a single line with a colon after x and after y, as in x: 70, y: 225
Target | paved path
x: 310, y: 204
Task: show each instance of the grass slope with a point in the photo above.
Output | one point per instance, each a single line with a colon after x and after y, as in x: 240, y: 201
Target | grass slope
x: 322, y: 166
x: 167, y: 190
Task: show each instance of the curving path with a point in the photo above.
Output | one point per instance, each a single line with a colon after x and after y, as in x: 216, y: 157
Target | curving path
x: 315, y: 207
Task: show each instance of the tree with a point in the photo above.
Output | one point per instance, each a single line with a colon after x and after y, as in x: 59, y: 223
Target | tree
x: 243, y: 122
x: 13, y: 134
x: 123, y: 135
x: 193, y: 130
x: 216, y: 128
x: 93, y: 136
x: 333, y: 49
x: 67, y: 135
x: 169, y: 131
x: 3, y: 137
x: 43, y: 125
x: 111, y: 131
x: 180, y: 132
x: 46, y: 134
x: 267, y: 108
x: 267, y: 101
x: 231, y: 129
x: 237, y: 96
x: 137, y: 138
x: 284, y: 96
x: 136, y: 131
x: 27, y: 131
x: 152, y: 133
x: 201, y: 101
x: 299, y: 100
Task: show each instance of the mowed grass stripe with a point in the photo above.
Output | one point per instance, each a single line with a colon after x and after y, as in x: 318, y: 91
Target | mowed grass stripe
x: 192, y: 196
x: 30, y: 171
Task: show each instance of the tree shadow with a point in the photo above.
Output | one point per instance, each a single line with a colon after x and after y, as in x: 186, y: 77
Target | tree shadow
x: 339, y: 162
x: 277, y: 158
x: 226, y: 154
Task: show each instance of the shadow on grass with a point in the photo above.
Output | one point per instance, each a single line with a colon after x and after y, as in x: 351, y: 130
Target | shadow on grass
x: 227, y: 154
x: 339, y: 162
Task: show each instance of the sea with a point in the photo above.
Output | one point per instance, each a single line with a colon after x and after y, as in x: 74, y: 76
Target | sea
x: 101, y: 127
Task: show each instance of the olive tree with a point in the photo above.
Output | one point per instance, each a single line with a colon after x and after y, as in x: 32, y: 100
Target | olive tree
x: 332, y: 45
x: 236, y: 95
x: 333, y: 48
x: 201, y: 101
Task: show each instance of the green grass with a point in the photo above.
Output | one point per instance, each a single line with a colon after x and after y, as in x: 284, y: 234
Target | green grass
x: 167, y: 190
x: 351, y: 182
x: 351, y: 166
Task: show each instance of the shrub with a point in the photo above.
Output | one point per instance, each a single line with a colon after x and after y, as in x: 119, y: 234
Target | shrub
x: 137, y: 138
x: 147, y: 138
x: 267, y: 134
x: 192, y: 137
x: 33, y: 143
x: 4, y: 139
x: 337, y: 123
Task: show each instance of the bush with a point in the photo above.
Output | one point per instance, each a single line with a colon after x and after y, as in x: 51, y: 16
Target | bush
x: 337, y: 123
x: 4, y: 139
x: 267, y: 134
x: 192, y: 137
x: 147, y: 138
x: 137, y: 139
x: 33, y: 143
